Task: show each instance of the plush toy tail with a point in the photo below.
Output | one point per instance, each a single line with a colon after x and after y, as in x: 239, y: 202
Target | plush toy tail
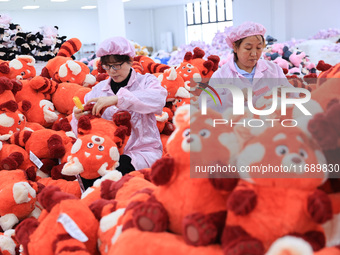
x: 69, y: 47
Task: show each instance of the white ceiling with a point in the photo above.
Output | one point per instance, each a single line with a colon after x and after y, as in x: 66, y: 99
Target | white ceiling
x: 16, y: 5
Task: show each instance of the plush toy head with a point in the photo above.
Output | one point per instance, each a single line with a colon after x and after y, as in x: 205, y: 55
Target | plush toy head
x: 190, y: 74
x: 207, y: 144
x: 119, y: 129
x: 75, y: 72
x: 22, y: 67
x: 279, y: 146
x: 18, y: 197
x: 91, y: 156
x: 37, y: 91
x: 63, y: 68
x: 174, y: 84
x: 10, y: 122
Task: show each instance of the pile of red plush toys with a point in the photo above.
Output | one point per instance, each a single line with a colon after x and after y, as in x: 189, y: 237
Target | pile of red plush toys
x: 163, y: 209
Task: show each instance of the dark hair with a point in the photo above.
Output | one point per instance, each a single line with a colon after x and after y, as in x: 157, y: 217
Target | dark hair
x: 238, y: 43
x: 115, y: 58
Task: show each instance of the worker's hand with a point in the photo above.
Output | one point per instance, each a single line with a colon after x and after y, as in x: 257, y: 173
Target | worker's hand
x: 101, y: 103
x: 78, y: 112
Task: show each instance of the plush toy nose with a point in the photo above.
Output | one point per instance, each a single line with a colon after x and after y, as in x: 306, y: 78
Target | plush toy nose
x: 296, y: 160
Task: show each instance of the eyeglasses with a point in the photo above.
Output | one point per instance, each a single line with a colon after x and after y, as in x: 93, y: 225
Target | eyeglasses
x: 114, y: 67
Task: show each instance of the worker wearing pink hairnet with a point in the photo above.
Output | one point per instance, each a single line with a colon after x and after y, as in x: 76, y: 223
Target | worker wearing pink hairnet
x: 245, y: 68
x: 141, y: 95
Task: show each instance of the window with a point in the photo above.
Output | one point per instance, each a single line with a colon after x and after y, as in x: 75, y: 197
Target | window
x: 206, y: 17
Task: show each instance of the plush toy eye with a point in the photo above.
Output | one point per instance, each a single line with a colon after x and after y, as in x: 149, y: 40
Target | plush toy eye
x: 186, y: 132
x: 281, y: 150
x: 22, y: 73
x: 19, y: 122
x: 183, y: 67
x: 190, y: 66
x: 189, y: 71
x: 205, y: 133
x: 100, y: 147
x: 303, y: 153
x: 90, y: 145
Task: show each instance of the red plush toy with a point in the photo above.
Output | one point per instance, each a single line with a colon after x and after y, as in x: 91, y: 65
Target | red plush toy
x: 99, y: 144
x: 65, y: 224
x: 37, y: 92
x: 268, y: 204
x: 22, y: 67
x: 174, y: 84
x: 14, y: 157
x: 12, y: 118
x: 18, y: 197
x: 197, y: 215
x: 63, y: 68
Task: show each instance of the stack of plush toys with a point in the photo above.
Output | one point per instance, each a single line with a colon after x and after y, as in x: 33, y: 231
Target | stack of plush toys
x: 170, y: 208
x: 42, y: 45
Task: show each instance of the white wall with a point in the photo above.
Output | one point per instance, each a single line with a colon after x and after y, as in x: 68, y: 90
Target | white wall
x: 170, y: 19
x: 139, y: 27
x: 287, y: 19
x: 146, y: 26
x: 307, y: 17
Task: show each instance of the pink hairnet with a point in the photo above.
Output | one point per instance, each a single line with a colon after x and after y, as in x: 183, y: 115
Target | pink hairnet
x: 244, y: 30
x: 116, y: 46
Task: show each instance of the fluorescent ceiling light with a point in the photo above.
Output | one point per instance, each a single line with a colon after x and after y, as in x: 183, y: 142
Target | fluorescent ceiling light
x: 4, y: 0
x: 59, y: 0
x: 124, y: 1
x: 31, y: 7
x: 87, y: 7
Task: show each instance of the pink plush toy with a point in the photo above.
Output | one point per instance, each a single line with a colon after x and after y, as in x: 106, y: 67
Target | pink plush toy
x: 296, y: 58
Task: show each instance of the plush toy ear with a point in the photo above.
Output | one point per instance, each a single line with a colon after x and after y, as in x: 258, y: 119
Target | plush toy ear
x: 4, y: 68
x: 215, y: 59
x: 9, y: 105
x: 5, y: 84
x: 122, y: 118
x: 28, y: 59
x: 45, y: 73
x: 188, y: 56
x: 17, y: 86
x: 182, y: 115
x: 84, y: 125
x: 322, y: 66
x: 198, y: 53
x: 97, y: 207
x: 24, y: 106
x: 51, y: 196
x: 24, y: 230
